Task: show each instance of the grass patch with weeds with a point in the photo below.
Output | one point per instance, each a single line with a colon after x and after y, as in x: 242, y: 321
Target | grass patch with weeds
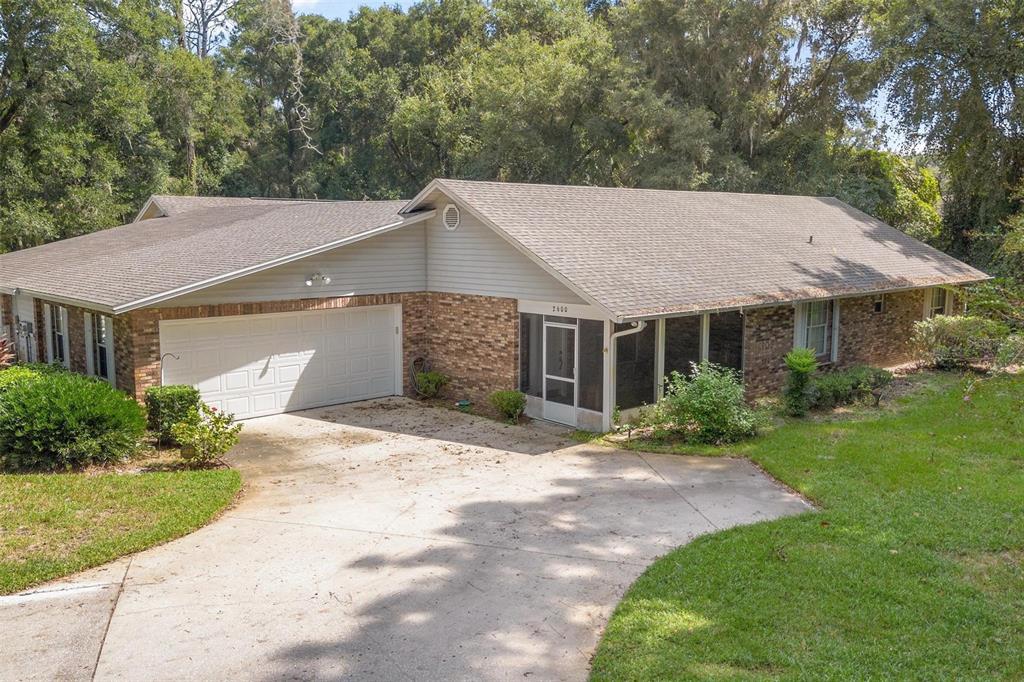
x: 912, y: 569
x: 55, y: 524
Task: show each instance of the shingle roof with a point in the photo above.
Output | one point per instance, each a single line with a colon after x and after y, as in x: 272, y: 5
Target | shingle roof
x: 639, y: 252
x: 117, y: 267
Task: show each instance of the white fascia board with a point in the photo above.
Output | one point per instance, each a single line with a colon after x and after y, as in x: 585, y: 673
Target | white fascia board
x: 519, y: 247
x: 227, y: 277
x: 423, y: 194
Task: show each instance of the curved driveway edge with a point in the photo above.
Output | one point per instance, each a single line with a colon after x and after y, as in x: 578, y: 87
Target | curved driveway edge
x: 387, y: 540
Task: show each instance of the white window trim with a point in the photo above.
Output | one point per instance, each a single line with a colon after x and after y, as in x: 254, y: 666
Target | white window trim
x: 800, y: 328
x: 48, y: 319
x: 947, y: 307
x: 90, y: 363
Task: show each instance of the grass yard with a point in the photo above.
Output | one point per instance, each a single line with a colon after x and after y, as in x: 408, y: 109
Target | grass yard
x: 913, y: 569
x: 55, y: 524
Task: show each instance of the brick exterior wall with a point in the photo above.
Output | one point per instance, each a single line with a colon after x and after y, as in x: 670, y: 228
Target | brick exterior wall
x: 882, y: 339
x: 473, y: 339
x: 865, y: 337
x: 767, y: 337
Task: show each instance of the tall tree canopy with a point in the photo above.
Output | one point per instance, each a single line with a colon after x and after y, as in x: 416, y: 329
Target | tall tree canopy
x: 103, y: 102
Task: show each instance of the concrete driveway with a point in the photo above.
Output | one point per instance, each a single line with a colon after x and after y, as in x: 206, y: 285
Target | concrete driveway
x: 386, y: 540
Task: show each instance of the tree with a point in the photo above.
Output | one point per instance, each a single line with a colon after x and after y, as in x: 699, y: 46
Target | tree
x: 78, y: 148
x: 956, y: 73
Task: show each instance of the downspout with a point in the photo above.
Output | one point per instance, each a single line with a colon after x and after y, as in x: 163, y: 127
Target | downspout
x: 638, y: 327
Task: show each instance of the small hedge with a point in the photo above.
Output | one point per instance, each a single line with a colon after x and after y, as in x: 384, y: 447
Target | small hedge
x: 60, y: 420
x: 708, y: 406
x: 510, y: 404
x: 846, y: 387
x: 797, y: 395
x: 167, y: 406
x: 957, y: 342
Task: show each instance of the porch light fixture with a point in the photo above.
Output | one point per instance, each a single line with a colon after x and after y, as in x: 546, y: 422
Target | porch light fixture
x: 317, y: 278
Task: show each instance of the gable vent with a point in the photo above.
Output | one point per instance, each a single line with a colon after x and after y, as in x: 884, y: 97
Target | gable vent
x: 451, y: 216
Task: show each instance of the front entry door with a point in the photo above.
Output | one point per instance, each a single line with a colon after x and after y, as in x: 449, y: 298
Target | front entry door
x: 560, y: 372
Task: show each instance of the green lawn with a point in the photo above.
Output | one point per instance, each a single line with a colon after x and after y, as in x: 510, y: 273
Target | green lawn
x: 913, y: 569
x: 55, y: 524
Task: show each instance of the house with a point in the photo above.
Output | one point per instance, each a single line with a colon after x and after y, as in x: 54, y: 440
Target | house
x: 584, y: 298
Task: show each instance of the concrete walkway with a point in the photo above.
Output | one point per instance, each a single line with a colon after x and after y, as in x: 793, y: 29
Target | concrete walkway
x: 386, y: 540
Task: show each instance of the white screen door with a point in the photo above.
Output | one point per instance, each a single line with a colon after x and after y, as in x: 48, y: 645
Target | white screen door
x: 560, y: 372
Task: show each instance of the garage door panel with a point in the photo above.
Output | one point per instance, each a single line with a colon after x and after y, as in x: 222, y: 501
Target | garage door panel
x: 264, y: 364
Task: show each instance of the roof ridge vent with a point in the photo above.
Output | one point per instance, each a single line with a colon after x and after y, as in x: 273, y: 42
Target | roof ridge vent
x: 451, y: 217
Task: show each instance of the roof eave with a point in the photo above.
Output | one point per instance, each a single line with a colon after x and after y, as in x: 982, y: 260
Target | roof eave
x: 227, y: 277
x: 723, y: 308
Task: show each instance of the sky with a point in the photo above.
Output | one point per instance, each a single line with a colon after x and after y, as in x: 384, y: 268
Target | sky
x: 339, y: 9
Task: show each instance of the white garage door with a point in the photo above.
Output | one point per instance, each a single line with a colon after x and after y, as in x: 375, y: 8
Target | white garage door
x: 254, y: 365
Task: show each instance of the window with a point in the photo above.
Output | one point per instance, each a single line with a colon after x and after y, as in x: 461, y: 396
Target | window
x: 682, y: 344
x: 725, y: 340
x: 878, y: 304
x: 56, y: 341
x: 634, y: 367
x: 531, y: 365
x: 937, y: 305
x: 100, y: 348
x: 815, y: 329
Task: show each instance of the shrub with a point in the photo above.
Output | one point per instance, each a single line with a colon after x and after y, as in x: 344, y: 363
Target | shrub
x: 949, y: 342
x: 1011, y: 352
x: 168, y: 405
x: 706, y: 407
x: 429, y: 384
x: 848, y: 386
x: 509, y: 403
x: 12, y: 375
x: 63, y: 420
x: 205, y: 434
x: 801, y: 363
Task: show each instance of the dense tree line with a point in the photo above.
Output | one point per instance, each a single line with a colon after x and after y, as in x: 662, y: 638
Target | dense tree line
x: 103, y: 102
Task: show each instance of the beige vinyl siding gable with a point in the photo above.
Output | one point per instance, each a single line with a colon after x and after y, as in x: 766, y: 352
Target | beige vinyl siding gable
x: 393, y: 262
x: 474, y: 259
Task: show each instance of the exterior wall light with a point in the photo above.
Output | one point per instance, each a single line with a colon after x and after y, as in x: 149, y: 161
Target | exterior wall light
x: 317, y: 278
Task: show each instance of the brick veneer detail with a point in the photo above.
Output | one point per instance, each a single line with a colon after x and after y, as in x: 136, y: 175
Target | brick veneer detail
x: 865, y: 337
x: 475, y: 341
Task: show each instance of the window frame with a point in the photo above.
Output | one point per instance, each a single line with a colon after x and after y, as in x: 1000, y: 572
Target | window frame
x: 55, y: 337
x: 801, y: 329
x: 878, y: 304
x: 93, y: 345
x: 931, y: 309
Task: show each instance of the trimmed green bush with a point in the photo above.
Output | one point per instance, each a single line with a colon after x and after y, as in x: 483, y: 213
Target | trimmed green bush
x: 708, y: 406
x: 956, y: 342
x: 15, y: 374
x: 205, y: 434
x: 510, y: 404
x: 796, y: 395
x: 429, y: 384
x: 847, y: 386
x: 168, y: 405
x: 62, y: 420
